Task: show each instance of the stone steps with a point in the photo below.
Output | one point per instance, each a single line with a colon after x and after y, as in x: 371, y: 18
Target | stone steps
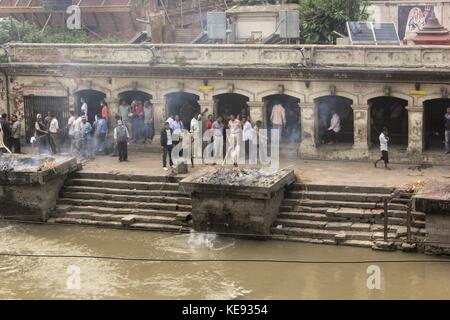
x: 164, y: 193
x: 338, y: 196
x: 115, y: 224
x: 125, y: 204
x: 123, y: 184
x: 119, y: 197
x: 180, y: 215
x: 118, y: 217
x: 340, y: 188
x: 337, y: 204
x: 123, y: 201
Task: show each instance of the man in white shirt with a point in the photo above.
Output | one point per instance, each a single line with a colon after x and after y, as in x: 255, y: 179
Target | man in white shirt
x: 217, y: 128
x: 177, y: 127
x: 84, y: 107
x: 278, y: 117
x: 332, y: 132
x: 197, y: 132
x: 71, y: 130
x: 384, y: 139
x: 247, y: 133
x: 53, y: 130
x: 234, y: 126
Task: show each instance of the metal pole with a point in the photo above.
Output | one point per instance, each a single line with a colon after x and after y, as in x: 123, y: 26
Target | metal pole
x: 408, y: 222
x: 385, y: 219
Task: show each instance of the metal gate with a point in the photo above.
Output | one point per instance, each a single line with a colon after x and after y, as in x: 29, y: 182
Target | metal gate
x: 40, y: 104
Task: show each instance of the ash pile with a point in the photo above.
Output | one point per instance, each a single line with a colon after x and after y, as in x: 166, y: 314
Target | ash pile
x: 241, y: 177
x: 10, y: 163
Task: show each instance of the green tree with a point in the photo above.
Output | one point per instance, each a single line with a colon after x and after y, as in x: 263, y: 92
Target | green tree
x: 319, y: 18
x: 12, y: 30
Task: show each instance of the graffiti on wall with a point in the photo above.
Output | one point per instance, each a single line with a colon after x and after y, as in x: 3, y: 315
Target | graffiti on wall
x: 412, y: 18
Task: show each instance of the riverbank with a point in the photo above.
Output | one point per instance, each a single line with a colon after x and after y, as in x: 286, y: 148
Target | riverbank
x: 321, y: 272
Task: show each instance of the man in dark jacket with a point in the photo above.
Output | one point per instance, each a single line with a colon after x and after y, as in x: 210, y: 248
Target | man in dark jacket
x: 6, y: 128
x: 167, y: 144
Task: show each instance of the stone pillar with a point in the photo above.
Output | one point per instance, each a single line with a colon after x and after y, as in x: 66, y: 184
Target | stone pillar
x: 308, y: 117
x: 113, y: 104
x: 257, y: 110
x: 360, y: 130
x: 206, y: 104
x: 415, y: 129
x: 159, y: 114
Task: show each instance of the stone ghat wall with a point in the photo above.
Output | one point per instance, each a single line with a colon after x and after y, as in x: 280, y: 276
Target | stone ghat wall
x: 29, y: 186
x: 371, y: 57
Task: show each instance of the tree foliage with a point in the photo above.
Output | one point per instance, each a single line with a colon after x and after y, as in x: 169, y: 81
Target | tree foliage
x: 319, y: 18
x: 12, y: 30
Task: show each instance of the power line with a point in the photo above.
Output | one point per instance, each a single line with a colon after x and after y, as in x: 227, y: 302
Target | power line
x: 140, y: 259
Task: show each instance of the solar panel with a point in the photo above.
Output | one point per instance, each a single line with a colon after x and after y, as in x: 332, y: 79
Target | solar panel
x: 360, y: 32
x: 363, y: 32
x: 385, y: 32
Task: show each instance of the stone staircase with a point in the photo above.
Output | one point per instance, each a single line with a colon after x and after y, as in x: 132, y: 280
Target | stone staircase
x: 345, y: 215
x: 123, y: 201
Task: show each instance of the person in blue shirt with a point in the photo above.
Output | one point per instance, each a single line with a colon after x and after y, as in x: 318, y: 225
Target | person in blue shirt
x: 100, y: 134
x: 85, y: 131
x: 447, y: 131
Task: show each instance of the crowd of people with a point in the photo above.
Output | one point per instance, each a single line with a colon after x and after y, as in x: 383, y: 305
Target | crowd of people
x: 240, y: 127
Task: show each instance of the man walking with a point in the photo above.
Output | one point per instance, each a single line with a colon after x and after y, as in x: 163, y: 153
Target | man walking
x: 167, y: 144
x: 15, y: 133
x: 447, y: 131
x: 53, y: 130
x: 384, y: 139
x: 121, y: 136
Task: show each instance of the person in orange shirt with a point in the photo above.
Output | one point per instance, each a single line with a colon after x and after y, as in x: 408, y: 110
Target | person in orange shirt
x: 105, y: 111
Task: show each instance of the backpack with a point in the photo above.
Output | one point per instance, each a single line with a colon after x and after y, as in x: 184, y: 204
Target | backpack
x: 121, y: 133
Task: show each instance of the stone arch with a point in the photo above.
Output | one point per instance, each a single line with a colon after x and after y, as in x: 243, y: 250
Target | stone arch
x: 379, y: 93
x: 324, y: 108
x: 271, y: 92
x: 93, y: 99
x: 433, y: 129
x: 344, y: 94
x: 94, y: 87
x: 144, y: 89
x: 433, y: 96
x: 170, y: 90
x: 390, y: 112
x: 250, y: 95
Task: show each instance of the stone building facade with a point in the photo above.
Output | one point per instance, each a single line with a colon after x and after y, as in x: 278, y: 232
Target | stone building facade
x: 403, y: 87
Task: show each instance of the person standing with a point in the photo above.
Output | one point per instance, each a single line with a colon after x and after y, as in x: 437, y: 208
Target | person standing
x: 209, y: 122
x: 71, y: 130
x: 235, y: 130
x: 177, y: 128
x: 101, y: 131
x: 124, y: 113
x: 6, y: 129
x: 196, y: 132
x: 105, y: 110
x: 137, y: 119
x: 217, y: 128
x: 332, y: 132
x: 167, y: 144
x: 259, y: 138
x: 247, y: 135
x: 85, y: 132
x: 447, y: 131
x: 278, y: 117
x: 40, y: 133
x: 53, y: 131
x: 149, y: 130
x: 15, y: 134
x: 384, y: 139
x: 84, y: 107
x: 121, y: 136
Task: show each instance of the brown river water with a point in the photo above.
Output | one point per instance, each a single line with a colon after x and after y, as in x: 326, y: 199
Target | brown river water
x: 47, y: 277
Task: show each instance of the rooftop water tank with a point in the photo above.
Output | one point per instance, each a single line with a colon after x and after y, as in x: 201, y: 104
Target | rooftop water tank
x: 216, y: 25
